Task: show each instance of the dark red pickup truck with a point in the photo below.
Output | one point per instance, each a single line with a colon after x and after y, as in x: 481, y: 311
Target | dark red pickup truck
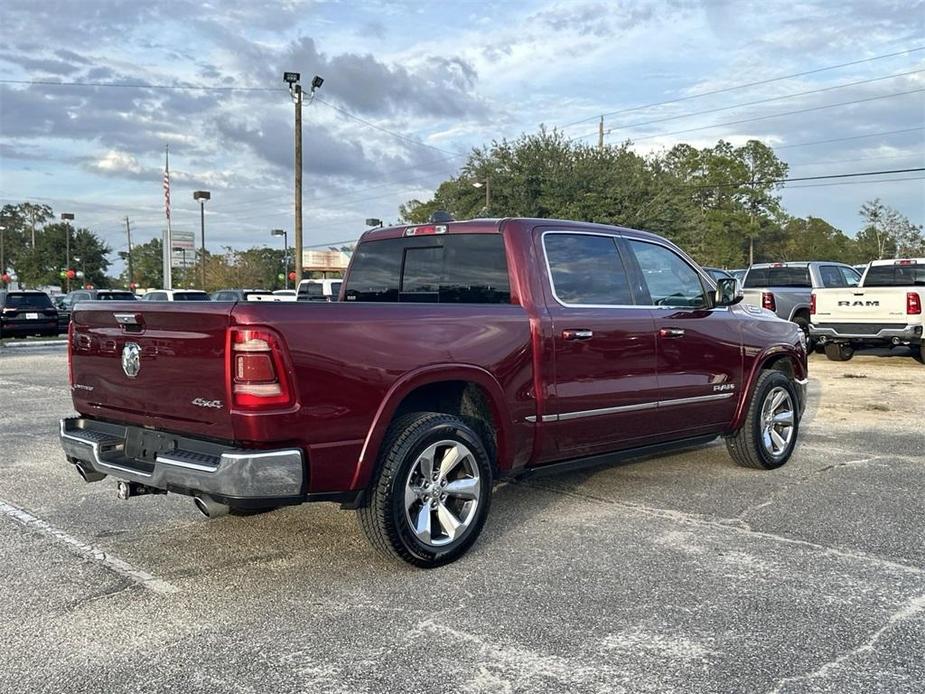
x: 458, y: 354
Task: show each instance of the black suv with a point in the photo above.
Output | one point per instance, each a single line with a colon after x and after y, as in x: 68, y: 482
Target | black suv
x: 24, y: 313
x: 66, y: 303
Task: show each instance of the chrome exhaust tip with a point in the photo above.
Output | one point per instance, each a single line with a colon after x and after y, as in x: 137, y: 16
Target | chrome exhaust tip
x: 88, y: 475
x: 209, y: 507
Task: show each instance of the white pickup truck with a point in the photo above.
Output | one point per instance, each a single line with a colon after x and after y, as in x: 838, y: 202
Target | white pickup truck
x: 885, y: 309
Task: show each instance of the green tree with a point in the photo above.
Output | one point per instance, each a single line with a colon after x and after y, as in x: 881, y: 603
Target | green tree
x: 147, y: 265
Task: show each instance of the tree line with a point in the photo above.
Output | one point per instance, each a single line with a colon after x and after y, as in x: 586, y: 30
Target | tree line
x: 721, y: 204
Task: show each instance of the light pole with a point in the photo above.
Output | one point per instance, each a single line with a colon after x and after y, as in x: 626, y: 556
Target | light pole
x: 2, y: 257
x: 295, y: 91
x: 202, y: 196
x: 285, y: 235
x: 487, y: 185
x: 67, y: 217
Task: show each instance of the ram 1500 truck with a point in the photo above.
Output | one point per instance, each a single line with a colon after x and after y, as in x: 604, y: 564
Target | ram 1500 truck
x: 458, y: 354
x: 785, y: 288
x: 886, y: 309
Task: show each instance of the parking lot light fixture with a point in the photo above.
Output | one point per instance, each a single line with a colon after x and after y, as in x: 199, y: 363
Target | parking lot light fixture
x: 201, y: 196
x: 486, y: 184
x: 285, y: 235
x: 68, y: 218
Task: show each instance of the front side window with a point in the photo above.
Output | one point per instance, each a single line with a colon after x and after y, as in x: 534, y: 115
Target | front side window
x: 831, y: 276
x: 852, y: 276
x: 587, y: 270
x: 669, y: 279
x: 452, y: 268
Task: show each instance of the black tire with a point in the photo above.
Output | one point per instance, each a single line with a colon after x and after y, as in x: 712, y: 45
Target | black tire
x: 838, y: 352
x: 745, y: 446
x: 918, y: 351
x: 802, y: 323
x: 384, y: 519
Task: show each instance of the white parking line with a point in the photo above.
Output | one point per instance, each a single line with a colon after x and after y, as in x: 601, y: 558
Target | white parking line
x: 112, y: 563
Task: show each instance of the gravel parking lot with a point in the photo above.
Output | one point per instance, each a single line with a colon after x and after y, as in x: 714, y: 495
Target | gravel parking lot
x: 682, y: 573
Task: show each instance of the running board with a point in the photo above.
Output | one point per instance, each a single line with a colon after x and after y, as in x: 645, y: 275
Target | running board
x: 604, y: 459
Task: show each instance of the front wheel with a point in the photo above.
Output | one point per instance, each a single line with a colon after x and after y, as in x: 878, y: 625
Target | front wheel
x: 432, y: 493
x: 767, y: 438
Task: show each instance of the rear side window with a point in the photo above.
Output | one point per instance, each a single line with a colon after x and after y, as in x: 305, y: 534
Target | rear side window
x: 452, y: 268
x: 895, y: 276
x: 14, y: 300
x: 311, y: 292
x: 786, y: 276
x: 587, y: 270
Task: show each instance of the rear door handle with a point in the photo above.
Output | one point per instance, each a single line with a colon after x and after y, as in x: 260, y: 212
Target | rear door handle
x: 577, y: 334
x: 671, y: 332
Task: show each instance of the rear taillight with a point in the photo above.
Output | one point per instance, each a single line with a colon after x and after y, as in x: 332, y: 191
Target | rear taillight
x: 257, y: 374
x: 70, y: 354
x: 767, y: 301
x: 913, y: 304
x: 812, y: 304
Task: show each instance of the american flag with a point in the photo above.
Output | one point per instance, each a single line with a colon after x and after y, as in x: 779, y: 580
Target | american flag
x: 167, y: 182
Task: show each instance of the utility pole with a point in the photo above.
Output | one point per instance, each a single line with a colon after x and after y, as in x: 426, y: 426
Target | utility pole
x: 295, y: 91
x: 168, y: 235
x: 128, y: 232
x: 297, y: 97
x: 600, y: 134
x: 67, y: 218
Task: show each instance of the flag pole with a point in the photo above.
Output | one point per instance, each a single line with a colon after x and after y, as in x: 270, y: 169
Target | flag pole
x: 168, y: 237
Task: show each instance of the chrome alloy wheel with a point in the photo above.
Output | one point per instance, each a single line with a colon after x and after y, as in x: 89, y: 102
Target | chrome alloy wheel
x: 778, y: 416
x: 442, y: 493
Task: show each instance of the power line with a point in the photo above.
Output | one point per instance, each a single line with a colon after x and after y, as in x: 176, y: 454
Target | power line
x: 857, y: 183
x: 783, y: 97
x: 852, y: 137
x: 745, y: 85
x: 141, y: 85
x: 370, y: 124
x: 780, y: 115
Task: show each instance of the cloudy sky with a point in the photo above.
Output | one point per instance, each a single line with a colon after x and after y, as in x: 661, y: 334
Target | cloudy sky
x: 411, y: 85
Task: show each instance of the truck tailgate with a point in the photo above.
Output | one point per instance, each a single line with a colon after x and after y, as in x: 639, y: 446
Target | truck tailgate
x: 859, y: 305
x: 179, y: 352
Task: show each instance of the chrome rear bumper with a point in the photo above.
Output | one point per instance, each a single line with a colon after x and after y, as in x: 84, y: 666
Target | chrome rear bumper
x: 187, y: 466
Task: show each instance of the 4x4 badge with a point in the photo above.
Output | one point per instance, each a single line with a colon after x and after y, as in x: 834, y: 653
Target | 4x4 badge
x: 131, y: 359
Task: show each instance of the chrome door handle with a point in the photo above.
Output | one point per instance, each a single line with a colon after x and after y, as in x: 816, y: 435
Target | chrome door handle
x: 671, y: 332
x: 577, y: 334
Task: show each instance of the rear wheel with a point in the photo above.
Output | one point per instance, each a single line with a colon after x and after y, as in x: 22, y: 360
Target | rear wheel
x: 839, y: 352
x: 431, y: 496
x: 918, y: 351
x: 767, y: 438
x: 803, y: 324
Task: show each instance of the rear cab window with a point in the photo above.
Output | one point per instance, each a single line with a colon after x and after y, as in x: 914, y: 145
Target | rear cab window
x: 784, y: 276
x: 447, y: 268
x: 911, y: 275
x: 32, y: 301
x: 191, y: 296
x: 115, y: 296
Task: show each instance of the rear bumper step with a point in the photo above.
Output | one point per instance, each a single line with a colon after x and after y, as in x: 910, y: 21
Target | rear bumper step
x: 868, y: 331
x: 189, y: 466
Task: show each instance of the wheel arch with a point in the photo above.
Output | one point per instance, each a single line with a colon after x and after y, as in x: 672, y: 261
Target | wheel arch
x: 780, y: 358
x: 798, y: 310
x: 460, y: 389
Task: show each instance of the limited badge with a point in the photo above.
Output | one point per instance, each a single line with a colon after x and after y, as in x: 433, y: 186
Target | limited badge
x: 131, y: 359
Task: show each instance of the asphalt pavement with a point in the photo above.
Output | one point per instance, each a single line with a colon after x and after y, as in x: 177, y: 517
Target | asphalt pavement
x: 680, y: 573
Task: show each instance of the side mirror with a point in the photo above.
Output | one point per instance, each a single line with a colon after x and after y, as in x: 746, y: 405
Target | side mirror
x: 728, y: 292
